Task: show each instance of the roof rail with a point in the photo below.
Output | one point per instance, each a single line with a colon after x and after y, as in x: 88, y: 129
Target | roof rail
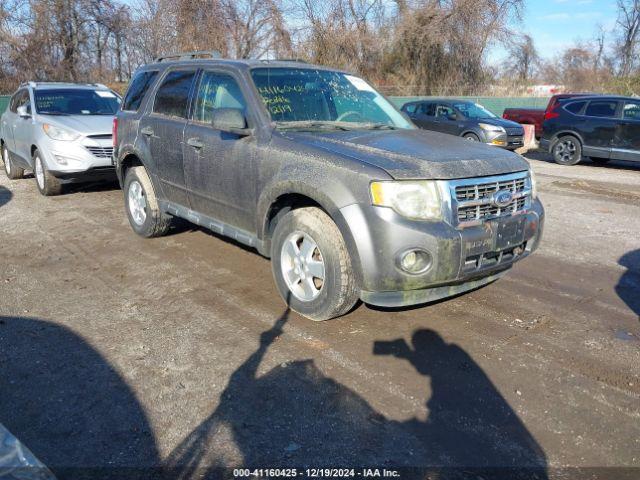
x: 298, y: 60
x: 189, y: 55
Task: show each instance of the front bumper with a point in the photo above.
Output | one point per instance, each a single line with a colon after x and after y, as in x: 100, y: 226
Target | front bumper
x: 84, y: 159
x: 462, y: 258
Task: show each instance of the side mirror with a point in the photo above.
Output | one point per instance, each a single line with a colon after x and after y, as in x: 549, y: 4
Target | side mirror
x: 23, y: 111
x: 230, y: 120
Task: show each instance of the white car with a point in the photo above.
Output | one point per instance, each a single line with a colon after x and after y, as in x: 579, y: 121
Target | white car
x: 60, y: 131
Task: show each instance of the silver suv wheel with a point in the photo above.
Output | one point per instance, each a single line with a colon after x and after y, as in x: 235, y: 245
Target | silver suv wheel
x: 5, y: 159
x: 39, y: 171
x: 302, y: 266
x: 137, y: 203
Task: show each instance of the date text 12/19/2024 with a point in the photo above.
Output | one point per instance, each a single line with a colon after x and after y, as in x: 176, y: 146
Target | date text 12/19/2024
x: 315, y: 473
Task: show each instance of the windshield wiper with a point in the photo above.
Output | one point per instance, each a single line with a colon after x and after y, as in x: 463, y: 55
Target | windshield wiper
x: 376, y: 126
x: 311, y: 124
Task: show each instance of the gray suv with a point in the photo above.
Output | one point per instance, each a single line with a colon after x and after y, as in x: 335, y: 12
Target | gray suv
x: 60, y: 131
x: 318, y: 171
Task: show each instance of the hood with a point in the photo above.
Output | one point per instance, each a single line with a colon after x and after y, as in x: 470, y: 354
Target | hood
x: 500, y: 122
x: 415, y: 154
x: 84, y: 124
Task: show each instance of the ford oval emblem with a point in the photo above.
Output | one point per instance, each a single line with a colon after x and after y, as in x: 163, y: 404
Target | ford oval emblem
x: 502, y: 198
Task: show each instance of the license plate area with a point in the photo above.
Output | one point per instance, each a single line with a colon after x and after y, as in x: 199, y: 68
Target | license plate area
x: 509, y: 232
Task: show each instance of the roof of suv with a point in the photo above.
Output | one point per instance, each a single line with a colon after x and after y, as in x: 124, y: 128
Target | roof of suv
x: 238, y: 63
x: 63, y: 85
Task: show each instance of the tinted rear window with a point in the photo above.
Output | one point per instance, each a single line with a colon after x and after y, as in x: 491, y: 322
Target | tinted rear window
x: 172, y: 97
x: 602, y: 108
x: 575, y: 107
x: 137, y: 90
x: 410, y: 108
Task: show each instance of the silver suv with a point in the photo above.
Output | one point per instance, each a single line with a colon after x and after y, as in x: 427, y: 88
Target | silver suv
x: 61, y: 132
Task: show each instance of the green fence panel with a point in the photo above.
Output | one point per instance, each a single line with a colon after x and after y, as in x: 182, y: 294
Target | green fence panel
x: 4, y: 102
x: 496, y: 105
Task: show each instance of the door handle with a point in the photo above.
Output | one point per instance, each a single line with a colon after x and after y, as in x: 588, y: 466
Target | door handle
x: 148, y: 131
x: 195, y: 143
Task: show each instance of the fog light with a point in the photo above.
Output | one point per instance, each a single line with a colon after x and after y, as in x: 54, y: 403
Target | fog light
x: 61, y: 160
x: 415, y: 261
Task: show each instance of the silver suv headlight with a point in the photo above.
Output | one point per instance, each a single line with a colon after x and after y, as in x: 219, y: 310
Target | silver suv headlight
x: 57, y: 133
x: 412, y: 199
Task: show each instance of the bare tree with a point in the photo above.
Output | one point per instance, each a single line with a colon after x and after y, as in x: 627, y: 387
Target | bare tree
x: 524, y: 58
x: 629, y: 24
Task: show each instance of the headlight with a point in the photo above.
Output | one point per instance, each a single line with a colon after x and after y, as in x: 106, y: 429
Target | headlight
x: 58, y: 133
x: 491, y: 128
x: 534, y: 185
x: 417, y: 200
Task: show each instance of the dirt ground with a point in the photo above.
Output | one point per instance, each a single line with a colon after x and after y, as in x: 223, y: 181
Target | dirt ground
x: 118, y: 354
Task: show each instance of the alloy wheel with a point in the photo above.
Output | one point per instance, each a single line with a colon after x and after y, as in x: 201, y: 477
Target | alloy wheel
x: 39, y: 171
x: 137, y: 203
x: 302, y: 266
x: 566, y: 150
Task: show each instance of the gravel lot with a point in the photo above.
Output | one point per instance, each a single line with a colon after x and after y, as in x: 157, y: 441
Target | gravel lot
x: 120, y: 352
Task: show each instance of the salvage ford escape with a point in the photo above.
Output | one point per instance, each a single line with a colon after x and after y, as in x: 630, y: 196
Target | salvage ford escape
x: 319, y: 172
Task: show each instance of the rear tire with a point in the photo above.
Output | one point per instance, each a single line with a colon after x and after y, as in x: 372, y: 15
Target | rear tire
x: 141, y: 205
x: 47, y: 184
x: 567, y: 150
x: 13, y: 172
x: 311, y: 265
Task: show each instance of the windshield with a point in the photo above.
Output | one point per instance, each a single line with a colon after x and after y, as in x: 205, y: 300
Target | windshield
x: 473, y: 110
x: 67, y: 101
x: 307, y: 98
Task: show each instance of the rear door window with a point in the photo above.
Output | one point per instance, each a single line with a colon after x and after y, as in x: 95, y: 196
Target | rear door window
x: 137, y: 90
x: 172, y: 97
x: 602, y: 108
x: 428, y: 109
x: 575, y: 107
x: 631, y: 110
x: 216, y: 90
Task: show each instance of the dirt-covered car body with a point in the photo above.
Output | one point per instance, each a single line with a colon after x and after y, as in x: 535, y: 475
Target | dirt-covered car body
x: 239, y: 174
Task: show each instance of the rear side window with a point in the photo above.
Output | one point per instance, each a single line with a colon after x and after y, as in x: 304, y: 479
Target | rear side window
x: 602, y: 108
x: 137, y: 90
x: 575, y: 107
x: 631, y: 110
x: 172, y: 98
x: 410, y: 108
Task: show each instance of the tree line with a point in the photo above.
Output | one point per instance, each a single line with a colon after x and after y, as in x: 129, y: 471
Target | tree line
x: 411, y: 47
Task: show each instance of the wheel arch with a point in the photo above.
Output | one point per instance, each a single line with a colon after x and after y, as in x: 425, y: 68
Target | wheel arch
x: 279, y: 201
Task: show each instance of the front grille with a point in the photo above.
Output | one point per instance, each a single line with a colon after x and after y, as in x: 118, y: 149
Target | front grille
x: 515, y: 131
x: 474, y: 198
x: 101, y: 152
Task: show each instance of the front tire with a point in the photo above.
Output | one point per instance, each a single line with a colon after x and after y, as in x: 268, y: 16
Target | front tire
x: 472, y: 137
x: 13, y: 172
x: 141, y: 205
x: 47, y: 184
x: 567, y: 150
x: 311, y: 265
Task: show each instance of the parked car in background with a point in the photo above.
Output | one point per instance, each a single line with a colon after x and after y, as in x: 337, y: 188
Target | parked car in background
x: 318, y: 171
x: 536, y: 116
x: 60, y: 131
x: 600, y: 127
x: 465, y: 119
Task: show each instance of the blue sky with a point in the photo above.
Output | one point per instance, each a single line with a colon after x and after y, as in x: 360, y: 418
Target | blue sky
x: 556, y: 24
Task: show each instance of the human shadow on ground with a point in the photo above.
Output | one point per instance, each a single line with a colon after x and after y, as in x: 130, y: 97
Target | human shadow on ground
x: 5, y: 195
x: 628, y: 287
x: 64, y: 401
x: 295, y: 416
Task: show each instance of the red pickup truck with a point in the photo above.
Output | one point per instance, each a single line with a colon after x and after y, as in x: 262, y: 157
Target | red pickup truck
x: 536, y: 116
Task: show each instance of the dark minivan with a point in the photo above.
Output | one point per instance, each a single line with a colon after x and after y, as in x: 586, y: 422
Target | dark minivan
x: 465, y: 119
x: 602, y: 128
